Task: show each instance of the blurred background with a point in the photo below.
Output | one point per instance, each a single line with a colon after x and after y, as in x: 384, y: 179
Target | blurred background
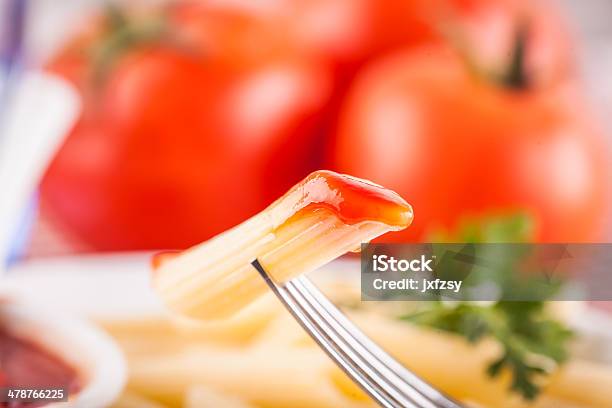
x: 196, y: 115
x: 133, y: 127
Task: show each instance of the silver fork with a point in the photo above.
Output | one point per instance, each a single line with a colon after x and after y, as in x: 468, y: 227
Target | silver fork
x: 389, y: 383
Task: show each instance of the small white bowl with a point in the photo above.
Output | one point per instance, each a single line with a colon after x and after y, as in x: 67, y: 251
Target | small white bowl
x: 92, y: 353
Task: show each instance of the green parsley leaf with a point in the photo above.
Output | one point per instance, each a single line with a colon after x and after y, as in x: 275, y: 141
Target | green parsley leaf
x: 532, y: 342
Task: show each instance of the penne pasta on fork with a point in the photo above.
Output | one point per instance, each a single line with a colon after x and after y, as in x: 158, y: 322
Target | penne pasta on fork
x: 321, y: 218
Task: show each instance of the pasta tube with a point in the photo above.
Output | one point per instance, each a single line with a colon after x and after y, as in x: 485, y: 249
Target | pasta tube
x: 203, y: 397
x: 319, y: 219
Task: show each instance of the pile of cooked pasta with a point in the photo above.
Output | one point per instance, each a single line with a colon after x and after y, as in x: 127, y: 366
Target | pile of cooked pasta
x: 262, y: 358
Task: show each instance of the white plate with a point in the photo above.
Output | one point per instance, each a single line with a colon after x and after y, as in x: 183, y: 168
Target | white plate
x: 93, y: 286
x: 118, y: 287
x: 113, y: 286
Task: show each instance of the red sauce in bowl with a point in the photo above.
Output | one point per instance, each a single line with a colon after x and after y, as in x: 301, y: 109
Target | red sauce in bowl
x: 25, y: 364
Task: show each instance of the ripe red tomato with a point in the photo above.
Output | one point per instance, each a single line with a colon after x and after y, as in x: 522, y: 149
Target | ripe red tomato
x: 184, y: 136
x: 489, y: 29
x: 455, y: 144
x: 349, y: 32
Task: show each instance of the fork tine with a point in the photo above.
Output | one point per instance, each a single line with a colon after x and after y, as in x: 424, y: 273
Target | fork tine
x: 402, y: 378
x: 336, y: 351
x: 319, y: 335
x: 361, y: 353
x: 366, y: 363
x: 379, y: 375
